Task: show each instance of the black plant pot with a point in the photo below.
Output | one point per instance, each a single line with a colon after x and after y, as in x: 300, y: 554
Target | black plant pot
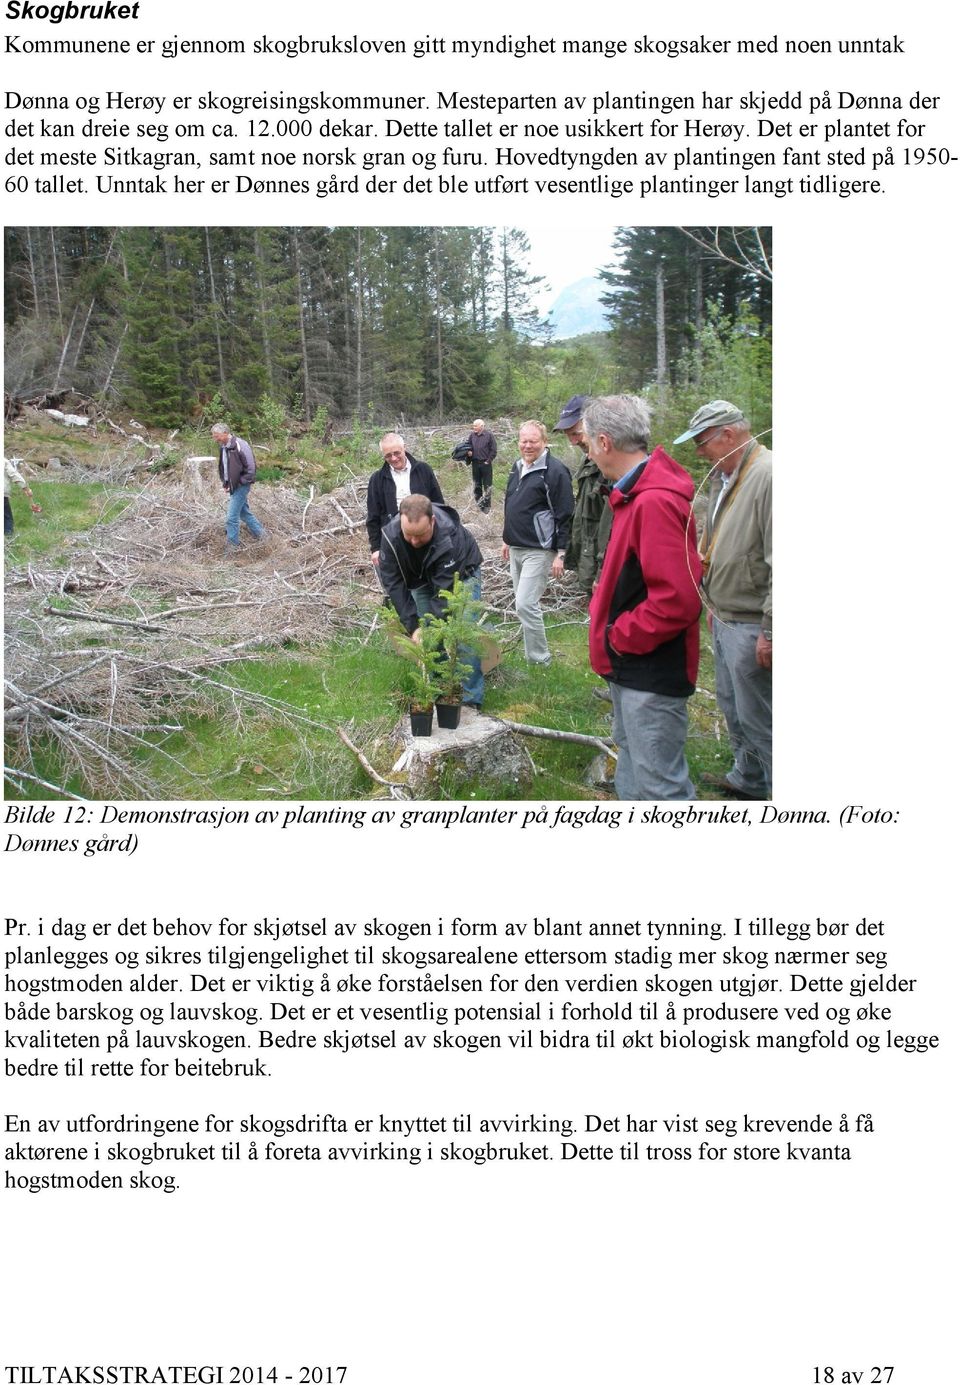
x: 421, y: 723
x: 448, y: 715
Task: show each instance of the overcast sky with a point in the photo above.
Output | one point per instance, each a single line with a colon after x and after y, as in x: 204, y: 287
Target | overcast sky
x: 565, y: 254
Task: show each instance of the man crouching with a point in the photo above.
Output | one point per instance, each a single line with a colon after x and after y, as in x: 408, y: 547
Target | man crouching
x: 422, y: 550
x: 645, y: 612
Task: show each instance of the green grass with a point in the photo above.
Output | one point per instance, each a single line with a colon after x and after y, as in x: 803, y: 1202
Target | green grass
x: 68, y: 508
x: 233, y: 749
x: 40, y: 440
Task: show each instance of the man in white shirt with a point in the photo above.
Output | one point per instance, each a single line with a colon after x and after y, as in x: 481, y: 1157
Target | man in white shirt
x: 401, y: 475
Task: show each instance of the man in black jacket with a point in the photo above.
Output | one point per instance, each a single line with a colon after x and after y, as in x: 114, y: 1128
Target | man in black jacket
x: 401, y: 475
x: 483, y: 450
x: 422, y: 550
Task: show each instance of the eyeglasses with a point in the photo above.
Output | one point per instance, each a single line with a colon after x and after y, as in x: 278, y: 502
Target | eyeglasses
x: 704, y: 438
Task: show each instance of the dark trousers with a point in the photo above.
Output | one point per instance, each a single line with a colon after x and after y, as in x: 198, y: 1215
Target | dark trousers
x: 7, y: 516
x: 482, y: 483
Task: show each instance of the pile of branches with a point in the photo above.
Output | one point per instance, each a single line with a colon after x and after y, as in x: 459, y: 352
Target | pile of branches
x: 109, y: 653
x: 145, y: 619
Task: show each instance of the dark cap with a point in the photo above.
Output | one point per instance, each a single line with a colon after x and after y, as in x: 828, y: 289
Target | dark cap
x: 572, y: 411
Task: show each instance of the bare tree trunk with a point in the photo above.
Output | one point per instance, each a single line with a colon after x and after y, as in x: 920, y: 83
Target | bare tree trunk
x: 83, y: 333
x: 126, y: 326
x: 661, y: 330
x: 265, y: 334
x: 473, y: 286
x: 116, y: 356
x: 298, y: 272
x: 505, y: 269
x: 359, y: 322
x: 698, y: 290
x: 438, y: 307
x: 56, y: 278
x: 33, y: 275
x: 93, y: 301
x: 484, y: 275
x: 216, y: 312
x: 698, y: 313
x: 63, y: 353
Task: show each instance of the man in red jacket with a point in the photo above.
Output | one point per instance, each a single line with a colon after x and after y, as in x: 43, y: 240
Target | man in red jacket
x: 645, y: 612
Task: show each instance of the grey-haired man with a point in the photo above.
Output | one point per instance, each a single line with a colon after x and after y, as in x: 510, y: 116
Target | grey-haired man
x: 736, y: 548
x: 237, y: 472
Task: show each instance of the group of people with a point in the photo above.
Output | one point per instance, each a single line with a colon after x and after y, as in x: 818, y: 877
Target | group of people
x: 624, y: 524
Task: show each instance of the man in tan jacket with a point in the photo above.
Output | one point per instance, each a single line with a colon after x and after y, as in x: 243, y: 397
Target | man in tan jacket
x: 737, y: 552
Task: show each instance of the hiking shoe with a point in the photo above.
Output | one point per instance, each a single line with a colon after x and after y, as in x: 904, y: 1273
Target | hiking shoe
x: 719, y: 781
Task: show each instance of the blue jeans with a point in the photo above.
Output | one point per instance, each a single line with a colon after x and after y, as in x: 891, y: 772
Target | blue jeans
x: 238, y: 510
x: 472, y: 686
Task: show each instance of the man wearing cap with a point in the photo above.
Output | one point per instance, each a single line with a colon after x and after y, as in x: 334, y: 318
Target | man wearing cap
x: 645, y: 612
x: 483, y: 450
x: 736, y: 549
x: 592, y: 516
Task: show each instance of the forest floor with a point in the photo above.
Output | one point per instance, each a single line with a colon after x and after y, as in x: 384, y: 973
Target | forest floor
x: 141, y: 663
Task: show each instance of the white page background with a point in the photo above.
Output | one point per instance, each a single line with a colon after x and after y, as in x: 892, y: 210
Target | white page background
x: 608, y: 1272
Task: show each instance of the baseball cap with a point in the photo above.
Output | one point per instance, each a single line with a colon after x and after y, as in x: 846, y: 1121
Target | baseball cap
x: 571, y: 413
x: 716, y: 414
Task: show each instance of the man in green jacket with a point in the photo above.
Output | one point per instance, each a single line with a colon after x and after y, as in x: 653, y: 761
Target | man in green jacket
x: 592, y: 516
x: 737, y: 552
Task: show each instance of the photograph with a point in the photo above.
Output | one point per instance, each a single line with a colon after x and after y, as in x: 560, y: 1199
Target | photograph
x: 404, y: 512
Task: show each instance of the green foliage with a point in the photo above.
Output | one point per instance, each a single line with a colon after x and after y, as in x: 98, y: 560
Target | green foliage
x: 446, y: 635
x: 213, y: 412
x: 730, y: 358
x: 357, y: 443
x: 66, y: 509
x: 373, y: 326
x: 273, y: 422
x: 420, y: 321
x: 354, y: 678
x: 661, y: 259
x: 420, y: 674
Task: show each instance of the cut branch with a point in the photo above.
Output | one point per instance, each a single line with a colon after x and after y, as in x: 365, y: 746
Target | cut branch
x: 396, y: 790
x: 546, y: 733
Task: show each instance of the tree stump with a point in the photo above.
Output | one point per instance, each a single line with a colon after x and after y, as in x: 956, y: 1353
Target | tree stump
x: 480, y: 747
x: 193, y: 472
x: 600, y: 772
